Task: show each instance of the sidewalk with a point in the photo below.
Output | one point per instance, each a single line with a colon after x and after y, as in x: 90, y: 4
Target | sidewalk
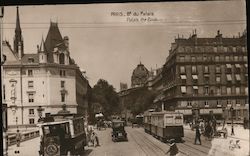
x: 27, y: 148
x: 239, y: 131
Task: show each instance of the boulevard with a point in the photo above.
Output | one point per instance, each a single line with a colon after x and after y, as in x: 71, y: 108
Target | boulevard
x: 142, y: 144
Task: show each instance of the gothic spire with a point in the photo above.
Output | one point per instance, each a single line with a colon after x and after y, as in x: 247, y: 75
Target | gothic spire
x: 18, y: 39
x: 18, y: 27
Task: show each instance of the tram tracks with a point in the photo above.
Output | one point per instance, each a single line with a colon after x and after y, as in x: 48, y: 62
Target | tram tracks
x: 184, y: 148
x: 144, y: 145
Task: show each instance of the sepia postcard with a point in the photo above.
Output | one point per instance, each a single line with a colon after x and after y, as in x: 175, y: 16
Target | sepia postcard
x: 125, y: 79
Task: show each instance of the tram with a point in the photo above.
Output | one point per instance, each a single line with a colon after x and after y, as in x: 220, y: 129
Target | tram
x: 164, y: 125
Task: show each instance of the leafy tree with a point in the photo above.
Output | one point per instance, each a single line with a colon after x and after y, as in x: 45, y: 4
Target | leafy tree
x: 106, y: 96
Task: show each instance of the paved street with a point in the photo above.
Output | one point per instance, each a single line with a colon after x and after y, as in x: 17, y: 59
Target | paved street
x: 142, y: 144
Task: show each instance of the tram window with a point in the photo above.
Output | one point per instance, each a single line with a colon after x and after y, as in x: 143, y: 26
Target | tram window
x: 178, y: 119
x: 169, y: 119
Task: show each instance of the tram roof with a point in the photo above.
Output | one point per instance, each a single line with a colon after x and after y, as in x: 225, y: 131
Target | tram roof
x: 165, y: 112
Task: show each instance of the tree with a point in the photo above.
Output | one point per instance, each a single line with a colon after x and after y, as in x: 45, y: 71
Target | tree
x: 106, y: 96
x: 140, y: 100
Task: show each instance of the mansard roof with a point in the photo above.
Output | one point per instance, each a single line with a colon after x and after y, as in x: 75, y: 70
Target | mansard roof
x: 53, y: 38
x: 26, y: 57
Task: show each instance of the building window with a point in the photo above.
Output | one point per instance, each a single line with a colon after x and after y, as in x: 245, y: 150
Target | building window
x: 244, y: 58
x: 246, y: 90
x: 182, y: 58
x: 183, y: 89
x: 237, y: 78
x: 217, y: 69
x: 215, y: 49
x: 31, y: 97
x: 61, y: 58
x: 189, y: 104
x: 218, y: 103
x: 237, y: 101
x: 195, y: 78
x: 227, y: 58
x: 194, y: 69
x: 62, y: 97
x: 206, y: 103
x: 218, y: 91
x: 30, y: 84
x: 193, y: 58
x: 182, y: 69
x: 30, y: 72
x: 237, y: 90
x: 217, y: 58
x: 31, y: 111
x: 229, y: 91
x: 30, y: 60
x: 229, y: 102
x: 206, y: 69
x: 228, y: 68
x: 234, y: 49
x: 62, y: 73
x: 236, y: 58
x: 229, y: 77
x: 195, y: 89
x: 204, y: 58
x: 183, y: 79
x: 206, y: 79
x: 206, y: 90
x: 32, y: 121
x: 62, y: 84
x: 218, y: 79
x: 225, y: 49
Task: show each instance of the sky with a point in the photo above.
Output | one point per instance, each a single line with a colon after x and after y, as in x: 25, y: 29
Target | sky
x: 108, y: 41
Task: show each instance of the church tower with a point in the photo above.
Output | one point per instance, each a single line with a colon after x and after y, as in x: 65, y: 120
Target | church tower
x: 18, y: 39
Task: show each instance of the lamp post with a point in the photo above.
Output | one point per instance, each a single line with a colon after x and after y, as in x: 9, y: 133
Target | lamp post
x: 231, y: 110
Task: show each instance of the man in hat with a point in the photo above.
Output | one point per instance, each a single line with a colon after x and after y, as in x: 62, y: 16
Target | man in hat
x: 197, y: 135
x: 173, y: 150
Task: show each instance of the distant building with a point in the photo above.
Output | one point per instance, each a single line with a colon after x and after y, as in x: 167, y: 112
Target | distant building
x: 48, y: 78
x: 140, y: 76
x: 204, y: 75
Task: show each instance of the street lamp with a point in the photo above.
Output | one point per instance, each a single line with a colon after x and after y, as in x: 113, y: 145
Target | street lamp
x: 231, y: 110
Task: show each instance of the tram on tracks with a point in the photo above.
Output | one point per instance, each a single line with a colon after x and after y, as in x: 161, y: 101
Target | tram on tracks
x: 164, y: 125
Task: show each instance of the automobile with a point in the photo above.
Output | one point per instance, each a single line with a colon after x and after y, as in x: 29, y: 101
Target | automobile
x: 62, y: 135
x: 118, y: 131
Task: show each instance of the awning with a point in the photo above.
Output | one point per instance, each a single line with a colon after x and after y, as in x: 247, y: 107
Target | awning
x: 237, y: 65
x: 183, y: 89
x: 229, y: 77
x: 183, y: 77
x: 228, y: 65
x: 195, y: 77
x: 195, y: 87
x: 237, y: 77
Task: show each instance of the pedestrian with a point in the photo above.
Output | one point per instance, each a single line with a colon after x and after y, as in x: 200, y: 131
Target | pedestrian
x: 18, y: 138
x: 197, y: 135
x: 95, y: 139
x: 232, y: 132
x: 89, y: 133
x: 173, y: 150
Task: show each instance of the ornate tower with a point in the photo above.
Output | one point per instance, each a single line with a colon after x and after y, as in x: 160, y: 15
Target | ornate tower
x: 42, y: 52
x: 18, y: 39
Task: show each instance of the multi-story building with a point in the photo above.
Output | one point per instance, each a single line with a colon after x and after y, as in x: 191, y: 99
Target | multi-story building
x: 44, y: 81
x: 204, y: 75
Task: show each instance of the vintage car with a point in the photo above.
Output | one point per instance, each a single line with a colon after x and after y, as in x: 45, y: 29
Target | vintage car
x: 62, y: 135
x: 118, y: 131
